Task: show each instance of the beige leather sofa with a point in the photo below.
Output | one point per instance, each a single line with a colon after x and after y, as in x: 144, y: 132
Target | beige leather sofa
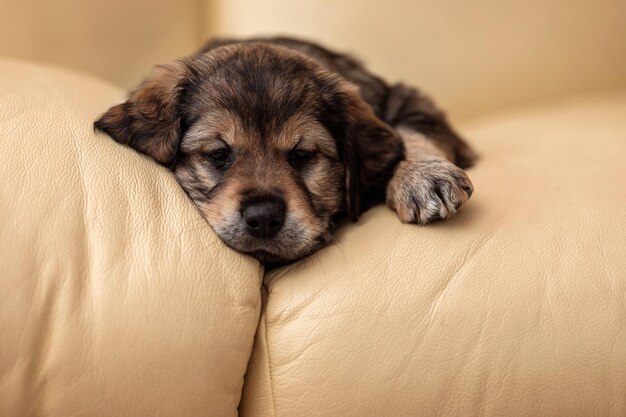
x: 117, y: 299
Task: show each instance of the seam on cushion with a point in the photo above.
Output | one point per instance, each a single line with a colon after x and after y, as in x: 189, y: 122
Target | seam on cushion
x: 267, y: 349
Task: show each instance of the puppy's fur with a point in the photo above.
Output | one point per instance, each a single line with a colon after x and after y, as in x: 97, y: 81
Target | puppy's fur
x: 291, y: 129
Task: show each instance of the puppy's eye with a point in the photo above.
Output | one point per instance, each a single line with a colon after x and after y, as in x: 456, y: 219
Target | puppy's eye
x: 300, y: 157
x: 220, y: 157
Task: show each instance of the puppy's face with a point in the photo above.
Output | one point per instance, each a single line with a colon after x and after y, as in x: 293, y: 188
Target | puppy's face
x: 260, y: 139
x: 267, y: 175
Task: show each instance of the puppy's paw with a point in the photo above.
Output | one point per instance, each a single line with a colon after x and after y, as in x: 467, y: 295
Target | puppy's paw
x: 423, y: 191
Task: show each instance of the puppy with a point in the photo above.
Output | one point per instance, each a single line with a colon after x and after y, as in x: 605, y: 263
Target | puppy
x: 275, y: 139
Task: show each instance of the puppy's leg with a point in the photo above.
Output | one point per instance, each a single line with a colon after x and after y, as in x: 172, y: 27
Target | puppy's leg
x: 427, y: 185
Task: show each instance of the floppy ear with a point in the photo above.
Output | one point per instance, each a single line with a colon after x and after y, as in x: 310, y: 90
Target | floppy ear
x: 149, y: 121
x: 373, y: 150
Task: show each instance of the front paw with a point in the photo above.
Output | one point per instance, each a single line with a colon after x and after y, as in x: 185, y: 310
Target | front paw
x: 423, y: 191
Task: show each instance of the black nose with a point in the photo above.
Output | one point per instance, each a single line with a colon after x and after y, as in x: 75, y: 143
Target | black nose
x: 264, y: 217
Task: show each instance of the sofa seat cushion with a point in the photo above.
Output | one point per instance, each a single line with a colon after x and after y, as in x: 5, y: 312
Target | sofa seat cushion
x: 117, y: 299
x: 515, y: 307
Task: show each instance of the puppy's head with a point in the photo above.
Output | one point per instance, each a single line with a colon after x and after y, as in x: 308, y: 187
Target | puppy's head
x: 270, y: 146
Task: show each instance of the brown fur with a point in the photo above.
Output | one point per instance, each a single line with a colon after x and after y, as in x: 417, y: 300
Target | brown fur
x: 291, y: 121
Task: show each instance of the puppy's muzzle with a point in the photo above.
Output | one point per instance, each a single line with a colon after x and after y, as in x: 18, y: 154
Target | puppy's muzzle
x: 263, y: 216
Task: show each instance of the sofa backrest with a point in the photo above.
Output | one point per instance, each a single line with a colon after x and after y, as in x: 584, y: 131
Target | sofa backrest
x: 117, y: 39
x: 474, y: 57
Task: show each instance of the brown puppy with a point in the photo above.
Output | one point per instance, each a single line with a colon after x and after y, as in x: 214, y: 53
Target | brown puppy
x: 274, y: 139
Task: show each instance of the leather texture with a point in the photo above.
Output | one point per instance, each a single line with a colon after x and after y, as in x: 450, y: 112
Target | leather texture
x: 515, y: 307
x: 117, y: 299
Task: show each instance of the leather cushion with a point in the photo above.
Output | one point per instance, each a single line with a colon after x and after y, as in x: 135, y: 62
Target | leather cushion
x: 117, y: 299
x: 515, y: 307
